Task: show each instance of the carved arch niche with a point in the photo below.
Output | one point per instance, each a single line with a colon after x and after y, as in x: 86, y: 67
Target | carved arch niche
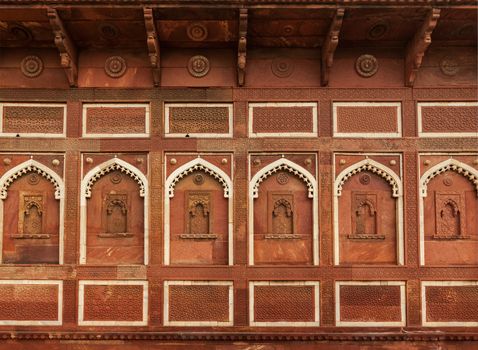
x: 114, y: 209
x: 368, y: 206
x: 448, y: 209
x: 198, y: 209
x: 31, y: 209
x: 283, y: 210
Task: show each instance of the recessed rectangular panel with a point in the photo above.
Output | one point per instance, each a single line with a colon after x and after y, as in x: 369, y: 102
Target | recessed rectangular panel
x: 31, y: 302
x: 450, y: 303
x: 294, y: 304
x: 198, y: 303
x: 33, y: 120
x: 288, y: 119
x: 113, y: 303
x: 367, y: 119
x: 448, y: 119
x: 365, y: 304
x: 115, y: 120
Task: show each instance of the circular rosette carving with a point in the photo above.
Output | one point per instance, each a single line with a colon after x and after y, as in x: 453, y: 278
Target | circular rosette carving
x: 108, y: 31
x: 116, y: 178
x: 366, y: 66
x: 197, y: 32
x: 282, y: 67
x: 364, y: 179
x: 198, y: 66
x: 33, y: 179
x: 32, y: 66
x: 449, y: 66
x: 378, y: 30
x: 115, y: 66
x: 20, y: 32
x: 198, y: 179
x: 448, y: 181
x: 282, y: 178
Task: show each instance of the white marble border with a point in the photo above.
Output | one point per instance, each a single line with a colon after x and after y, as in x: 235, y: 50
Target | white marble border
x: 167, y: 322
x: 253, y: 134
x: 403, y: 306
x: 60, y: 196
x: 227, y: 194
x: 399, y: 204
x: 57, y: 322
x: 315, y: 323
x: 422, y: 188
x: 83, y: 203
x: 34, y: 134
x: 81, y: 302
x: 398, y: 133
x: 315, y: 204
x: 229, y: 106
x: 425, y: 284
x: 84, y: 127
x: 422, y: 133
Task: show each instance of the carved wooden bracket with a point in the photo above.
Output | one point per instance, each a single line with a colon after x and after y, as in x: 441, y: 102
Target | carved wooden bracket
x: 241, y: 47
x: 418, y: 45
x: 153, y: 45
x: 66, y: 47
x: 330, y: 44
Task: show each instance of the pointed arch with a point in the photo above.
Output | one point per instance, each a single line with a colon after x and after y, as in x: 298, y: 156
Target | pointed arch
x: 449, y: 164
x: 203, y: 165
x: 373, y: 166
x: 85, y: 192
x: 31, y: 166
x: 171, y: 182
x: 310, y: 182
x: 283, y: 164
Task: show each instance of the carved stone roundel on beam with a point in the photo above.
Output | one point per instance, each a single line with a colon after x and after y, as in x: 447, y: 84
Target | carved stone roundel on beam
x: 282, y: 67
x: 198, y: 66
x: 366, y: 66
x: 378, y: 30
x: 32, y: 66
x: 115, y: 66
x: 197, y: 31
x: 449, y: 66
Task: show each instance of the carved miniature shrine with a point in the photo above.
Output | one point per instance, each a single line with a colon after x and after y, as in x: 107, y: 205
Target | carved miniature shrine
x: 243, y: 174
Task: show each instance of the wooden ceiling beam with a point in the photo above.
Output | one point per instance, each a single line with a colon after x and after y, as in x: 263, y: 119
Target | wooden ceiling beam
x: 66, y: 47
x: 417, y: 47
x: 153, y: 45
x: 242, y: 47
x: 329, y: 46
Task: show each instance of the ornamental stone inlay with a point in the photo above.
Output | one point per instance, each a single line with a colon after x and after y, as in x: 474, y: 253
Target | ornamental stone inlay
x: 366, y: 66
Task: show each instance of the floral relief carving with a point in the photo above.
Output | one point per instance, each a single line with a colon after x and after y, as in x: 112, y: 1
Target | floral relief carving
x: 115, y: 66
x: 198, y: 66
x: 366, y: 66
x: 32, y: 66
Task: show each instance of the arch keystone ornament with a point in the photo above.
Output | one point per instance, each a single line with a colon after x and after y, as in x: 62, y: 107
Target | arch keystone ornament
x: 387, y: 174
x: 34, y: 167
x: 113, y: 164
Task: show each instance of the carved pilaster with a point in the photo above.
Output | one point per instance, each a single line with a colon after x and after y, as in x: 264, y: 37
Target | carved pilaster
x: 66, y: 47
x: 418, y: 45
x: 330, y: 44
x: 241, y: 47
x: 153, y: 45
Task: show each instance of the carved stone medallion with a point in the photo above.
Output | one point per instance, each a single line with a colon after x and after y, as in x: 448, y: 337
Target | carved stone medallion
x: 449, y: 66
x: 282, y: 178
x: 32, y: 66
x: 448, y: 181
x: 198, y: 66
x: 197, y: 31
x: 198, y: 179
x: 364, y: 179
x: 366, y: 66
x: 378, y: 30
x: 21, y: 32
x: 116, y: 178
x: 282, y: 67
x: 108, y: 31
x: 115, y: 66
x: 33, y: 179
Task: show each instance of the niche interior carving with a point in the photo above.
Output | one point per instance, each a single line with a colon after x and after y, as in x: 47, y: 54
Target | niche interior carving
x: 366, y: 216
x: 198, y: 214
x: 115, y: 216
x: 281, y: 212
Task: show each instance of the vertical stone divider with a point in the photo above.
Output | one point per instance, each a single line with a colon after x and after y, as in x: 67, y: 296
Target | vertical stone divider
x: 409, y: 117
x: 325, y: 121
x: 413, y: 296
x: 70, y: 303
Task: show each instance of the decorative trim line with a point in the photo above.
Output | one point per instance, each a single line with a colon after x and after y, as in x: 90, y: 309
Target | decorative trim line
x: 81, y: 302
x: 373, y: 166
x: 449, y: 164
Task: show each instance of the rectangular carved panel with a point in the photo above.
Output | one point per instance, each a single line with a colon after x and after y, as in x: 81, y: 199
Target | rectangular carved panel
x: 367, y: 119
x: 453, y: 119
x: 36, y: 120
x: 370, y: 303
x: 282, y: 119
x: 115, y: 120
x: 109, y: 303
x: 191, y: 303
x: 27, y: 302
x: 198, y: 120
x: 450, y: 303
x: 284, y: 303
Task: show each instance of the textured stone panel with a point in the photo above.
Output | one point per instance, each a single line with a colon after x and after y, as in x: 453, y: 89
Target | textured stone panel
x: 113, y: 303
x: 284, y: 303
x: 446, y: 119
x: 282, y: 119
x: 189, y: 303
x: 115, y: 120
x: 370, y: 303
x: 451, y: 303
x: 33, y: 119
x: 198, y: 120
x: 367, y: 119
x: 29, y: 302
